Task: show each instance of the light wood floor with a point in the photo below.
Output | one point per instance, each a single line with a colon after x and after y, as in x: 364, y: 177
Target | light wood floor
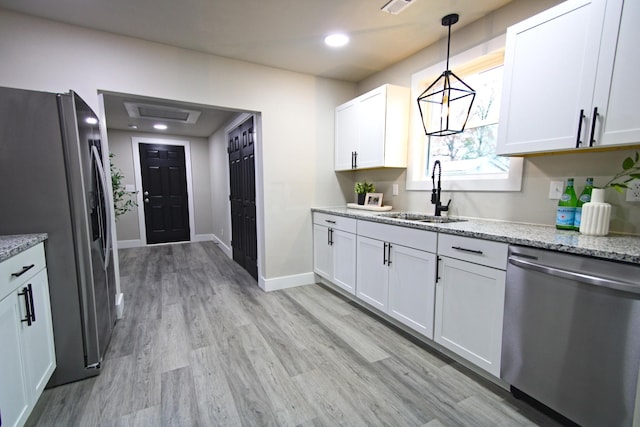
x: 202, y: 345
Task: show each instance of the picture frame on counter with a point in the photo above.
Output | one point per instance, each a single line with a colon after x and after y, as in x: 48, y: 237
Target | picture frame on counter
x: 373, y: 199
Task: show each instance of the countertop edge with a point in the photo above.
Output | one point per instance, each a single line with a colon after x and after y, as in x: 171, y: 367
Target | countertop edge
x: 615, y: 247
x: 11, y: 245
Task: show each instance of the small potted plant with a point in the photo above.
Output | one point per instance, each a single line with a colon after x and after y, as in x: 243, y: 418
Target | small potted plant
x: 362, y: 188
x: 596, y: 213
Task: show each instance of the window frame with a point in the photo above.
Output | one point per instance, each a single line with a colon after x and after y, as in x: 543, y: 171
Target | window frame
x: 419, y: 142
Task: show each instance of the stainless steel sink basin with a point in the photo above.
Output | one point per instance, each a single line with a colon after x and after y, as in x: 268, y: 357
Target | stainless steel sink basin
x: 418, y: 217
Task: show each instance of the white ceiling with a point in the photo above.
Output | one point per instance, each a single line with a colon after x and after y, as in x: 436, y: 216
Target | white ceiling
x: 286, y: 34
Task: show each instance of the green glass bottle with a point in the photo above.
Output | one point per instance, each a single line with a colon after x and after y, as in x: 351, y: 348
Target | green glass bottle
x: 585, y: 197
x: 566, y: 211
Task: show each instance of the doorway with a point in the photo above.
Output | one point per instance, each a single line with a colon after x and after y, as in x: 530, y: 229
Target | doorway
x: 163, y: 180
x: 242, y: 186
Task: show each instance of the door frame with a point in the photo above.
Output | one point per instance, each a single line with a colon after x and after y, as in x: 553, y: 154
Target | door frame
x: 135, y: 145
x: 258, y: 153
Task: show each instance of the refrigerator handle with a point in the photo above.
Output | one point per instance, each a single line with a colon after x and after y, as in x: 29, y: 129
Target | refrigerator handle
x: 107, y: 207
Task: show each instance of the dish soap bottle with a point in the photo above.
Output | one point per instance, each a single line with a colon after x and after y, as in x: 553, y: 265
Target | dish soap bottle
x: 585, y: 197
x: 566, y: 211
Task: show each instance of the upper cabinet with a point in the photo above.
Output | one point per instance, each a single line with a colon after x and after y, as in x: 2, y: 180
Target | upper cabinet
x: 372, y: 130
x: 568, y: 79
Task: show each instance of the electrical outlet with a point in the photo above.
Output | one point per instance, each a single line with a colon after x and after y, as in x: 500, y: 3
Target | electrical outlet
x: 555, y: 190
x: 633, y: 192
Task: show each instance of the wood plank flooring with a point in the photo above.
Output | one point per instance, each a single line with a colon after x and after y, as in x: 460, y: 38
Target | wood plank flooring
x: 202, y: 345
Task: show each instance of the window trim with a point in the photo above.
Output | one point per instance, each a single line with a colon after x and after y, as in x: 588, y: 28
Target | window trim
x: 511, y: 181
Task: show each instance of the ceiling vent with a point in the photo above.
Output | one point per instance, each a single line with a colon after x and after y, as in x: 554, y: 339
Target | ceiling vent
x: 160, y: 112
x: 394, y: 7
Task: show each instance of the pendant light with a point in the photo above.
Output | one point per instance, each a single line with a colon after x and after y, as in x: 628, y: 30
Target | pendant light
x: 445, y: 105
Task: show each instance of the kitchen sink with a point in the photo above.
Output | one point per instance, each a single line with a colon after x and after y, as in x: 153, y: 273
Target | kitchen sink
x: 418, y: 217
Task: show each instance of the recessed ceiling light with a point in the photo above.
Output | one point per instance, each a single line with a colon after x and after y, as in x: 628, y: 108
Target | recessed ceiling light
x: 336, y: 40
x: 91, y: 120
x: 160, y: 126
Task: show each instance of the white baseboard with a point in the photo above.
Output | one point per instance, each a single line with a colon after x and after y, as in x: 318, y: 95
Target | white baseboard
x: 119, y: 305
x: 286, y: 282
x: 203, y: 238
x: 125, y: 244
x: 226, y: 249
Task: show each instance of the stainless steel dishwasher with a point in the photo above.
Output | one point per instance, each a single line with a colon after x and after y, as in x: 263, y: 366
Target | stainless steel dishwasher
x: 571, y: 337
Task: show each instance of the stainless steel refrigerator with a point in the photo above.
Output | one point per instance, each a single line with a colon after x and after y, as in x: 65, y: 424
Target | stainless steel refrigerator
x: 52, y: 180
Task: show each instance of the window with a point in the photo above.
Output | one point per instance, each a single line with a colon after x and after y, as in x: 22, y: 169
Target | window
x: 469, y: 162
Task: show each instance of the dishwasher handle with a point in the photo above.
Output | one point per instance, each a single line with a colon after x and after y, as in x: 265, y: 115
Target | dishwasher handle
x: 573, y: 275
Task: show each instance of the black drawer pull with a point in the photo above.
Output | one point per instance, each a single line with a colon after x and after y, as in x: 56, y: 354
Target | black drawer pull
x: 329, y: 221
x: 473, y: 251
x: 24, y: 270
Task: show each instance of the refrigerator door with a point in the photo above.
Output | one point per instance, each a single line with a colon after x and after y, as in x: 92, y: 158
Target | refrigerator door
x: 81, y: 137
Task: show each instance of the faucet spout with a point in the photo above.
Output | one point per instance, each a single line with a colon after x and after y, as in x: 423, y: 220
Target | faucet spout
x: 437, y: 190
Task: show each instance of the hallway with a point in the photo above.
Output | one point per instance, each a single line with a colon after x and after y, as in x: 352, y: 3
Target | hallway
x: 202, y: 345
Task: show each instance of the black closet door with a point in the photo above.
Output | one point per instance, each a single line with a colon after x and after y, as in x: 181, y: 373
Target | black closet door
x: 242, y: 179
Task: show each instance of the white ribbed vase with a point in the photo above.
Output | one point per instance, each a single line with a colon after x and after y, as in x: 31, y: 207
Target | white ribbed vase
x: 596, y: 215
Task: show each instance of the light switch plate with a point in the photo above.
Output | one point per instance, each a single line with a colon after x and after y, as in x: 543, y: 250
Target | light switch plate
x: 394, y: 190
x: 555, y: 190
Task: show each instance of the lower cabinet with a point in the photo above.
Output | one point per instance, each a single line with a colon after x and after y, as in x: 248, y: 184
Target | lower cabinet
x: 334, y: 250
x: 397, y: 279
x: 470, y: 300
x: 27, y: 359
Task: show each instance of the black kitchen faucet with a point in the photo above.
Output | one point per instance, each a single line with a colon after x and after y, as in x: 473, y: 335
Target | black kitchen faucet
x: 435, y: 192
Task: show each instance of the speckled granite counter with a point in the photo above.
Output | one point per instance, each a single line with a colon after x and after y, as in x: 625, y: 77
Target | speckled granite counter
x: 14, y: 244
x: 614, y: 246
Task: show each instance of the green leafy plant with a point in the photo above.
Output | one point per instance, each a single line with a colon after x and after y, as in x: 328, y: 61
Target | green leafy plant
x: 630, y: 171
x: 364, y: 187
x: 123, y: 200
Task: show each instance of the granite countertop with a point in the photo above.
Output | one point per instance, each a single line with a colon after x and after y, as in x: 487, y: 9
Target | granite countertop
x: 14, y: 244
x: 613, y: 246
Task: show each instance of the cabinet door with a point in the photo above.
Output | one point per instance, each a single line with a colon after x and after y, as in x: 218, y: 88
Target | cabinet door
x: 549, y: 76
x: 412, y: 288
x: 371, y: 129
x: 14, y: 401
x: 344, y: 260
x: 372, y: 273
x: 618, y: 86
x: 39, y: 350
x: 346, y: 136
x: 322, y: 252
x: 469, y: 311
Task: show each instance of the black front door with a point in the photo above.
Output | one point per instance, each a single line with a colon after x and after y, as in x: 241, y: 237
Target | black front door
x: 243, y: 196
x: 164, y: 189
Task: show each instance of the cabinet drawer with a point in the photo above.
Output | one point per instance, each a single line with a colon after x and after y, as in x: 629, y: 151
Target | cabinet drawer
x: 32, y: 256
x: 335, y: 221
x: 478, y: 251
x: 410, y: 237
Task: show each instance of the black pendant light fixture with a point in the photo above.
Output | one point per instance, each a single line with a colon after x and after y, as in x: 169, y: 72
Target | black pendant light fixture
x: 445, y: 105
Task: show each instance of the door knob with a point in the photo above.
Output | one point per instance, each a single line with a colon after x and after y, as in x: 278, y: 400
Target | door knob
x: 146, y: 193
x: 146, y: 200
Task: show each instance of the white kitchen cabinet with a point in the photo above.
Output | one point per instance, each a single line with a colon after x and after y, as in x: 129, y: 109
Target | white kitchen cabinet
x: 334, y: 250
x: 396, y: 273
x: 470, y: 299
x: 372, y: 130
x: 557, y: 76
x: 27, y: 360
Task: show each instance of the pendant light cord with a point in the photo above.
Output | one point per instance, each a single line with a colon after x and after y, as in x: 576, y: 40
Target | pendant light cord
x: 448, y: 46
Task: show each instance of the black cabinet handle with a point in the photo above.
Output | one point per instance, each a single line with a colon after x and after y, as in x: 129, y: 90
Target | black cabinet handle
x: 33, y: 309
x: 592, y: 140
x: 331, y: 238
x: 438, y: 268
x: 473, y: 251
x: 580, y: 119
x: 355, y: 160
x: 389, y: 254
x: 24, y: 270
x: 384, y: 254
x: 28, y: 304
x: 330, y: 221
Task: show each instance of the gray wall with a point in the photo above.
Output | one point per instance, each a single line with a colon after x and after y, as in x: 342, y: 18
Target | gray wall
x: 530, y: 205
